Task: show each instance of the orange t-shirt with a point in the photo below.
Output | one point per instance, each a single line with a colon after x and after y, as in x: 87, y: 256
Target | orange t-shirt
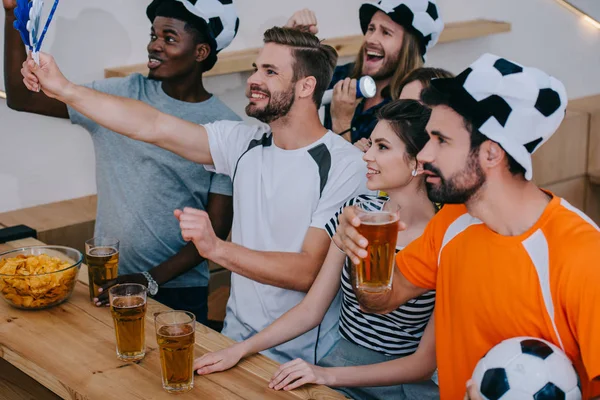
x: 492, y: 287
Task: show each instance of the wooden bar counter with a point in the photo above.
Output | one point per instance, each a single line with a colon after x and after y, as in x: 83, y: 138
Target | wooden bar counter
x: 70, y: 349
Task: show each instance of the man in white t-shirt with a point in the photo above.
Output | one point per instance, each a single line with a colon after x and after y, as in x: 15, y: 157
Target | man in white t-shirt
x: 290, y: 175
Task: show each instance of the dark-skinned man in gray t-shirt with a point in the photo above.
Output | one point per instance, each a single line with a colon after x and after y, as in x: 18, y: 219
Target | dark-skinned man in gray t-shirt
x: 139, y: 184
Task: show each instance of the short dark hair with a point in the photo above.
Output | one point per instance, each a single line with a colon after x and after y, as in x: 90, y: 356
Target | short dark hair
x: 408, y: 119
x: 423, y: 75
x: 311, y: 57
x: 194, y: 25
x: 432, y: 97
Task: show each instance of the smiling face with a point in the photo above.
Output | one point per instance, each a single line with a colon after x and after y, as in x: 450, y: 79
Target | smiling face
x: 388, y: 165
x: 173, y: 50
x: 453, y: 171
x: 381, y: 49
x: 271, y: 89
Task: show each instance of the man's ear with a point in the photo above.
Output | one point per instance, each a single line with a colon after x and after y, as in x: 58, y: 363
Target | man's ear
x: 306, y: 87
x: 491, y: 154
x: 202, y: 52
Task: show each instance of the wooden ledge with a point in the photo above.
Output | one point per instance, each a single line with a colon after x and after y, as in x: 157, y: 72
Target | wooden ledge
x: 241, y: 61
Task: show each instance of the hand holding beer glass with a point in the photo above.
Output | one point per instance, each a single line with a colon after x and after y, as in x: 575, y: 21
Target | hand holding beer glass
x: 175, y: 334
x: 380, y: 228
x: 102, y: 258
x: 128, y: 309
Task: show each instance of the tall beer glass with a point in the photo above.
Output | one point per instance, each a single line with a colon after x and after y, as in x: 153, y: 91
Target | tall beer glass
x: 380, y: 228
x: 102, y: 258
x: 128, y: 308
x: 175, y: 334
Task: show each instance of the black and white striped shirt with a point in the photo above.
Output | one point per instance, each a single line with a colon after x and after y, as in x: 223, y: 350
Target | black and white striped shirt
x: 396, y: 333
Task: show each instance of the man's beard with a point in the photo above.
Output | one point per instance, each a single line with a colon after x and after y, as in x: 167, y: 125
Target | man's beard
x: 279, y: 105
x: 460, y: 187
x: 387, y: 69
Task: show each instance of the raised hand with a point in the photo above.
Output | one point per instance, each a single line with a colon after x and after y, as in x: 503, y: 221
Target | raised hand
x: 304, y: 20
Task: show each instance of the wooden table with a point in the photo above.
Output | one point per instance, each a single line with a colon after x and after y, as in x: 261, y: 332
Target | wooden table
x: 70, y: 349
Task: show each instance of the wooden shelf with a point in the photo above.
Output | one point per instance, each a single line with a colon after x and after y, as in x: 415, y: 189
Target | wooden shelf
x: 241, y: 61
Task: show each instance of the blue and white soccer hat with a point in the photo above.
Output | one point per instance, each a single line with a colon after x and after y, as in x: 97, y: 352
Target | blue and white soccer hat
x: 517, y: 107
x: 420, y: 17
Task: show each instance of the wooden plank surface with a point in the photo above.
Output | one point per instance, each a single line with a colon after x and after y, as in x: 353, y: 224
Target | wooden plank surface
x: 591, y: 105
x: 16, y: 385
x: 564, y: 156
x: 53, y: 215
x: 572, y: 190
x: 346, y: 46
x: 68, y: 223
x: 592, y: 200
x: 70, y: 349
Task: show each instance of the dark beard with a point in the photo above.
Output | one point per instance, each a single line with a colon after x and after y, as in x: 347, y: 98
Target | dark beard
x: 387, y: 70
x: 279, y: 105
x: 461, y: 187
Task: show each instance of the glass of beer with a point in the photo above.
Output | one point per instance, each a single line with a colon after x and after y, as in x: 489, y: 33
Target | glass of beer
x: 175, y: 334
x: 380, y: 228
x: 128, y: 309
x: 102, y: 258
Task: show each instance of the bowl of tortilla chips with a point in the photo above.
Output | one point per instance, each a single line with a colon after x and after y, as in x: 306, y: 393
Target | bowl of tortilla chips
x: 38, y: 277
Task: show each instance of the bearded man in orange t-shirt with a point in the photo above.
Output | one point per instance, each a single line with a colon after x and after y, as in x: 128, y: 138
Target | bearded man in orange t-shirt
x: 506, y: 258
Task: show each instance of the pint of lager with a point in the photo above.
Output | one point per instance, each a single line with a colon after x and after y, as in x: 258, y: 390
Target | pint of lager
x: 380, y: 228
x: 175, y: 334
x: 102, y: 258
x: 128, y: 309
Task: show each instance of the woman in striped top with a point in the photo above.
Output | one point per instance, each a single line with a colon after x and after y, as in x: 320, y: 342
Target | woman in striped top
x: 399, y: 346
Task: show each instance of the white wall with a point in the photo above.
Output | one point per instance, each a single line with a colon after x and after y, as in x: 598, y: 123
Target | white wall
x: 44, y: 160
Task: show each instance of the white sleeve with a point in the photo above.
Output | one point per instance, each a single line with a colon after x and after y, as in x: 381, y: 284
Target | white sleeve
x: 227, y: 141
x: 349, y: 182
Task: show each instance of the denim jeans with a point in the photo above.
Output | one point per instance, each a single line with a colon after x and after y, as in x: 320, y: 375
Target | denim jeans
x: 347, y: 354
x: 192, y: 299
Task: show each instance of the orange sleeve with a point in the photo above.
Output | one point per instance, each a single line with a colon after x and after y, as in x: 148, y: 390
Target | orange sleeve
x: 418, y: 261
x: 583, y: 306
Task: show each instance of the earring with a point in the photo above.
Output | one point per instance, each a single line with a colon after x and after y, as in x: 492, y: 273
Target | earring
x: 414, y: 172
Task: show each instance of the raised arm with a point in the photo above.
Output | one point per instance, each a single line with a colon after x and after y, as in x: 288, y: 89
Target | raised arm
x: 288, y: 270
x: 297, y: 321
x: 18, y: 97
x: 128, y: 117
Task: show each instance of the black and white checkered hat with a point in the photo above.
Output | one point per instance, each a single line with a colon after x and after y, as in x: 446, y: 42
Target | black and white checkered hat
x: 421, y: 17
x: 516, y: 106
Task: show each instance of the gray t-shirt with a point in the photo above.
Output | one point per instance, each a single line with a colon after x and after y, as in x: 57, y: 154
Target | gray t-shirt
x: 139, y: 184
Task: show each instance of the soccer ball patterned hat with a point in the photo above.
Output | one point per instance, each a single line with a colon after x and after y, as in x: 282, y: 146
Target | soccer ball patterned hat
x: 517, y: 107
x: 420, y: 17
x: 220, y: 17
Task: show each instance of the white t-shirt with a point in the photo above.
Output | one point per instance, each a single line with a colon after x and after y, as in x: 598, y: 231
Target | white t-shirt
x: 278, y: 194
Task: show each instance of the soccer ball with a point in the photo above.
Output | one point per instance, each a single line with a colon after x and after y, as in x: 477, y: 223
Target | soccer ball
x: 221, y: 17
x: 526, y: 368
